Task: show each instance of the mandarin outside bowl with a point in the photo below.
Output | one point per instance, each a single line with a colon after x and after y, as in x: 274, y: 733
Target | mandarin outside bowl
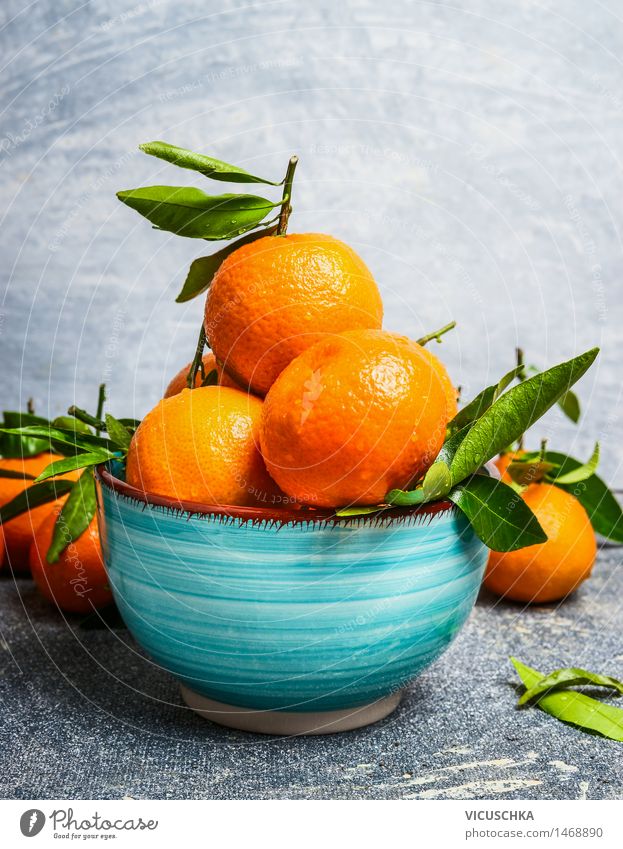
x: 288, y: 621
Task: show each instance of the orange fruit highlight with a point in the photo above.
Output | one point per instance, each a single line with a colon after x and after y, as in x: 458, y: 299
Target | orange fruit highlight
x: 209, y: 364
x: 275, y: 297
x: 354, y: 416
x: 18, y: 532
x: 550, y: 570
x: 77, y: 582
x: 202, y: 445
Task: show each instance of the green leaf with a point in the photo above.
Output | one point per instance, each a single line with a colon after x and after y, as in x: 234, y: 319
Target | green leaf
x: 33, y: 496
x: 587, y: 713
x: 498, y: 515
x: 524, y: 472
x: 357, y: 511
x: 118, y: 432
x: 602, y: 507
x: 206, y: 165
x: 190, y: 212
x: 514, y: 412
x: 203, y: 269
x: 131, y: 424
x: 405, y: 498
x: 16, y: 475
x: 14, y: 418
x: 563, y: 679
x: 584, y: 471
x: 70, y: 423
x: 12, y: 445
x: 75, y: 517
x: 77, y: 461
x: 73, y: 426
x: 211, y: 378
x: 408, y: 498
x: 570, y: 405
x: 483, y: 401
x: 437, y: 481
x: 451, y: 446
x: 63, y: 436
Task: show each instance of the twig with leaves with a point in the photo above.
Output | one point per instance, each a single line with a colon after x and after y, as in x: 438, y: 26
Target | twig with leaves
x: 76, y: 439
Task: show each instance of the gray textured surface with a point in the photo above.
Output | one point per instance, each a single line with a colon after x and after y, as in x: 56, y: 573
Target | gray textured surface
x: 85, y: 716
x: 470, y: 151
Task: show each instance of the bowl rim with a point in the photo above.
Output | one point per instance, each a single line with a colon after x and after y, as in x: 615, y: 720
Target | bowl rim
x: 281, y: 515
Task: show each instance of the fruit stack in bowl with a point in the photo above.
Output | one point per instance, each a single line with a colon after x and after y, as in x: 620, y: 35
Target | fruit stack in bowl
x: 301, y: 524
x: 314, y: 403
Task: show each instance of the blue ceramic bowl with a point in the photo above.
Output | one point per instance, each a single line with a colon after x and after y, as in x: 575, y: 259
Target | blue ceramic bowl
x: 288, y: 621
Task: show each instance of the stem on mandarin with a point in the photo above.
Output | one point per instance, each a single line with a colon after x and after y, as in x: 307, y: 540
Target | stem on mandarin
x: 286, y: 207
x: 197, y: 363
x: 87, y: 418
x: 520, y: 362
x: 101, y: 398
x: 520, y: 377
x: 436, y: 334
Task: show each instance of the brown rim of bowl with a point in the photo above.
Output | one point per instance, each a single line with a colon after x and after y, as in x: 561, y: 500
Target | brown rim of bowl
x: 260, y: 514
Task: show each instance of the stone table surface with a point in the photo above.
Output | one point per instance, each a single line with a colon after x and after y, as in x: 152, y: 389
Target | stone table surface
x: 85, y: 715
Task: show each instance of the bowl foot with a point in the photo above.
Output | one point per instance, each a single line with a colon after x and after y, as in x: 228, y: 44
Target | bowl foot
x: 291, y: 723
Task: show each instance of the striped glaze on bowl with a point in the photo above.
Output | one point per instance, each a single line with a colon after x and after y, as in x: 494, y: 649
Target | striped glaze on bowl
x: 288, y: 610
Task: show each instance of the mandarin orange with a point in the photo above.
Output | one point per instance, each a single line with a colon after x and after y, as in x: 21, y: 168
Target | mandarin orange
x: 549, y: 570
x: 356, y: 415
x: 209, y: 364
x: 18, y: 532
x: 275, y: 297
x: 448, y: 386
x: 202, y: 445
x: 77, y: 582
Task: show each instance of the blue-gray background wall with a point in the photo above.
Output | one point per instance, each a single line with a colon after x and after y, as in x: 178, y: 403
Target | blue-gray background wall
x: 470, y: 151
